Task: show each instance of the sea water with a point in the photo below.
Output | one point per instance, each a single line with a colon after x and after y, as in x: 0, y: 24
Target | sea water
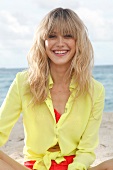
x: 104, y: 74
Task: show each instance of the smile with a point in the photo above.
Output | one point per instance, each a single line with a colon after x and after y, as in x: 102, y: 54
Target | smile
x: 61, y: 52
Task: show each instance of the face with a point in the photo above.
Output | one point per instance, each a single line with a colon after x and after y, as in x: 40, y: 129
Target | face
x: 60, y: 49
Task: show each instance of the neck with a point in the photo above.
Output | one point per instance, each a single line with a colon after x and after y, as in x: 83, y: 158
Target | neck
x: 59, y: 75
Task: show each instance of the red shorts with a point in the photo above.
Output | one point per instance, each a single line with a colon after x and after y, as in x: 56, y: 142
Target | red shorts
x: 54, y: 166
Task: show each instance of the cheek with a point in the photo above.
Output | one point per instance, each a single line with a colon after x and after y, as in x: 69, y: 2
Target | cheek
x: 49, y: 44
x: 72, y: 43
x: 74, y: 46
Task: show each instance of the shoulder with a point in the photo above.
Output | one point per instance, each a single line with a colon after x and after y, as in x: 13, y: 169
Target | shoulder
x: 22, y: 76
x: 21, y: 79
x: 21, y: 82
x: 97, y: 85
x: 98, y: 88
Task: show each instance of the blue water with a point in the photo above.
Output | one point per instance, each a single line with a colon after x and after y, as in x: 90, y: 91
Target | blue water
x: 104, y: 74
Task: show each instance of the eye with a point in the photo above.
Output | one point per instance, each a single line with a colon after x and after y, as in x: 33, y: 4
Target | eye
x: 52, y: 36
x: 68, y: 36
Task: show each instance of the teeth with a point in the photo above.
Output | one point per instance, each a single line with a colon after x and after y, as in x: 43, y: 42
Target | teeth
x: 60, y: 52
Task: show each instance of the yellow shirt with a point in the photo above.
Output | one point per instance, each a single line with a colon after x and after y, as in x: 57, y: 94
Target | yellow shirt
x: 76, y: 131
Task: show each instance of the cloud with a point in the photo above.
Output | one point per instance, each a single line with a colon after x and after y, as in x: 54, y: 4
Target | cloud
x: 56, y: 3
x: 13, y: 53
x: 15, y: 40
x: 10, y: 26
x: 94, y: 15
x: 100, y: 28
x: 20, y: 19
x: 16, y: 25
x: 103, y: 52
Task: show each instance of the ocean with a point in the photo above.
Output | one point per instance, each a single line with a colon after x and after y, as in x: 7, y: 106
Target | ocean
x: 104, y: 74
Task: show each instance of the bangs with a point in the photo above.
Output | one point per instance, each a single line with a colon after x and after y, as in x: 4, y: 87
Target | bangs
x: 62, y: 23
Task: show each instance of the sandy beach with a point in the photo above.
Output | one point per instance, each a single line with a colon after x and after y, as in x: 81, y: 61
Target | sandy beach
x: 14, y: 146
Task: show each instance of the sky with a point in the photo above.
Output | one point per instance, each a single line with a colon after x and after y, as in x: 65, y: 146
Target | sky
x: 19, y: 20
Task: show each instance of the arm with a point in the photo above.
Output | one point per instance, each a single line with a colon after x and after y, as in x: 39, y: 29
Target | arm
x: 8, y: 163
x: 106, y: 165
x: 89, y: 139
x: 9, y: 111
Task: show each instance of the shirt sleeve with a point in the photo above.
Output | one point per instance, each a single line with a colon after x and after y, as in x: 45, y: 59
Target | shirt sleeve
x: 85, y: 155
x: 9, y: 111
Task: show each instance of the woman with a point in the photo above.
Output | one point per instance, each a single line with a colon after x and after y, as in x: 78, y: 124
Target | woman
x: 60, y: 102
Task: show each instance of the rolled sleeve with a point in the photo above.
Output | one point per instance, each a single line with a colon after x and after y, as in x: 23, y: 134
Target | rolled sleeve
x: 89, y: 141
x: 9, y: 111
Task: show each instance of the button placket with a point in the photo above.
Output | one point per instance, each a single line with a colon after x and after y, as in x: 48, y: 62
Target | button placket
x: 56, y: 131
x: 50, y: 107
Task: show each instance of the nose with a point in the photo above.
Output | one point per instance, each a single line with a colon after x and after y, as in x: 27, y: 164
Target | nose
x: 60, y: 41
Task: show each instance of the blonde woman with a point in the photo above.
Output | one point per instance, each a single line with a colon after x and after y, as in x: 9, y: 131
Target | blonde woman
x: 60, y: 102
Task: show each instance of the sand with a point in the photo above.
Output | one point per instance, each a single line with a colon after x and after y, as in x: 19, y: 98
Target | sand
x: 14, y: 146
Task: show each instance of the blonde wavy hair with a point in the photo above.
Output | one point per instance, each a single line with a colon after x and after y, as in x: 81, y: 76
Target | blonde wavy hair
x: 65, y: 21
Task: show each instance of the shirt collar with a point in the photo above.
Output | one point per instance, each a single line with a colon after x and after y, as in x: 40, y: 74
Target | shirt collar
x: 50, y: 81
x: 72, y: 83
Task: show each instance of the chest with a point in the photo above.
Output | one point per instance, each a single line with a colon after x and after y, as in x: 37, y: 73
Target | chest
x: 59, y: 98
